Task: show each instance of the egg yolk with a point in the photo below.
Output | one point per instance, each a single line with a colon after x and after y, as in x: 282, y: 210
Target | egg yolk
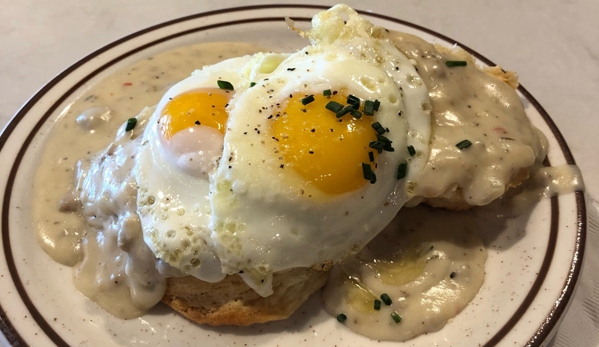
x: 197, y: 107
x: 326, y: 151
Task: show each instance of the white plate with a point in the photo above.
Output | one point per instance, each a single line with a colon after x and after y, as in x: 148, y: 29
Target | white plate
x: 532, y: 268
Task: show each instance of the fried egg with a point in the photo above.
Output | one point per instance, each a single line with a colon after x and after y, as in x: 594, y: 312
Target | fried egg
x: 274, y: 161
x: 181, y: 145
x: 292, y: 189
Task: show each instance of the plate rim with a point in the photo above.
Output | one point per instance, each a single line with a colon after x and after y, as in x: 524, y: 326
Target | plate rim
x: 542, y: 333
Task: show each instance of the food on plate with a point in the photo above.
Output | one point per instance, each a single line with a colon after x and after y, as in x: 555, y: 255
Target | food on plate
x: 291, y: 169
x: 281, y: 151
x: 505, y: 148
x: 429, y: 263
x: 232, y: 198
x: 232, y: 302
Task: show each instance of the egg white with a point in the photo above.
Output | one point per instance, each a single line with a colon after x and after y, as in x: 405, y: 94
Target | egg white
x: 250, y: 217
x: 174, y: 206
x: 267, y: 219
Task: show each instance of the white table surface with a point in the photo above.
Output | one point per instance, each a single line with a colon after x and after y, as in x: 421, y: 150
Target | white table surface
x: 552, y: 44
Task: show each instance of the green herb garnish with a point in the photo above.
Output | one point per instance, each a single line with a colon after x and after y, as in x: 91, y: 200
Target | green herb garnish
x: 224, y: 85
x: 341, y: 318
x: 131, y: 123
x: 386, y: 142
x: 378, y: 128
x: 386, y: 299
x: 371, y: 156
x: 252, y: 84
x: 344, y: 111
x: 411, y: 150
x: 376, y: 105
x: 326, y: 92
x: 463, y: 144
x: 369, y: 108
x: 334, y: 106
x: 377, y: 304
x: 378, y: 145
x: 356, y: 114
x: 308, y: 99
x: 402, y: 169
x: 368, y: 174
x: 452, y: 63
x: 396, y: 317
x: 354, y: 101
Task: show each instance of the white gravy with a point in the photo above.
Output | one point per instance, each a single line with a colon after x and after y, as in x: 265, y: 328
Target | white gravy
x: 468, y: 104
x: 431, y: 264
x: 547, y: 182
x: 102, y: 235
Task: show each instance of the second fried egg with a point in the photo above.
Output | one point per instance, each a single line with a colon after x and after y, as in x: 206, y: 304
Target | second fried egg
x: 275, y: 161
x: 294, y: 187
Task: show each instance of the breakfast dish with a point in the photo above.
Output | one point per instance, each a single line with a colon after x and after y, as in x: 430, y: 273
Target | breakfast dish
x: 147, y: 240
x: 472, y: 103
x: 276, y: 162
x: 282, y: 165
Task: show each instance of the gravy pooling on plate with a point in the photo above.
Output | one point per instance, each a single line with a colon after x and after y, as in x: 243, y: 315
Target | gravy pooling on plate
x: 86, y: 127
x: 430, y: 263
x: 117, y: 286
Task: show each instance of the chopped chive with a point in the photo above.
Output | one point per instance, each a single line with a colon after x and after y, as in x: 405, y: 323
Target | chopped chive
x: 224, y: 85
x: 334, y: 106
x: 376, y: 105
x: 381, y: 146
x: 386, y: 143
x: 368, y: 174
x: 371, y: 156
x: 386, y: 299
x: 344, y: 111
x: 131, y: 123
x: 463, y: 144
x: 356, y: 114
x: 367, y: 171
x: 308, y: 99
x: 377, y: 304
x: 452, y: 63
x: 369, y: 108
x: 378, y: 145
x: 326, y: 92
x: 341, y: 318
x: 396, y: 317
x: 373, y: 178
x: 452, y: 275
x: 378, y: 128
x: 197, y: 122
x: 402, y: 169
x: 252, y: 84
x: 354, y: 101
x: 411, y: 150
x: 383, y: 139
